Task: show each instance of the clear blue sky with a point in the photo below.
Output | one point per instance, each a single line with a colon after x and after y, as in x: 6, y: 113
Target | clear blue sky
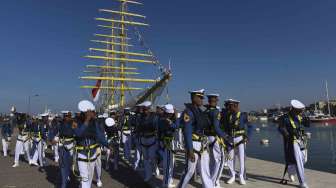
x: 261, y: 52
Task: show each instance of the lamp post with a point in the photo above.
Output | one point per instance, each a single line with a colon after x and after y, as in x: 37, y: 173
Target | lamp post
x: 29, y: 97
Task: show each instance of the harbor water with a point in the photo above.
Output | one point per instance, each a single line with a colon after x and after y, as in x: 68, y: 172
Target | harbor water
x: 321, y: 147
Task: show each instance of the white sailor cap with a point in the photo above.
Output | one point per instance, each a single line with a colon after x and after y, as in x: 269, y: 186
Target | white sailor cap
x: 228, y: 101
x: 127, y: 108
x: 297, y: 104
x: 169, y: 108
x: 105, y: 115
x: 65, y: 111
x: 13, y: 109
x: 85, y: 106
x: 213, y: 95
x: 198, y: 92
x: 109, y: 122
x: 100, y: 116
x: 146, y: 104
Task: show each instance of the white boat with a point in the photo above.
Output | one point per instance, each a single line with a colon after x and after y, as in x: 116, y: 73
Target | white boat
x: 263, y: 118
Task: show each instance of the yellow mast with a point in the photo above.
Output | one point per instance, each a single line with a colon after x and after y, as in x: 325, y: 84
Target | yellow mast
x: 112, y: 64
x: 123, y: 49
x: 115, y: 74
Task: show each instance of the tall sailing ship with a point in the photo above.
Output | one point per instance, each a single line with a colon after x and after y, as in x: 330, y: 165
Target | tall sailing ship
x: 122, y: 53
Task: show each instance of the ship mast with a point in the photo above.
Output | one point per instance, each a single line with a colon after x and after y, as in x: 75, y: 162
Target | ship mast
x: 115, y: 74
x: 328, y: 100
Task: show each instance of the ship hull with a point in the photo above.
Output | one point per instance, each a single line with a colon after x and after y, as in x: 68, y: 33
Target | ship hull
x: 326, y: 120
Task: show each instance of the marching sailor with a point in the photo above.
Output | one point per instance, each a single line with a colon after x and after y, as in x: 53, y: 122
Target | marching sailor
x: 216, y: 137
x: 6, y: 134
x: 22, y: 141
x: 63, y: 137
x: 136, y: 136
x: 39, y: 134
x: 98, y: 165
x: 126, y: 137
x: 236, y: 125
x: 195, y: 122
x: 295, y: 141
x: 168, y: 123
x: 53, y: 130
x: 88, y: 136
x: 112, y: 134
x: 147, y: 129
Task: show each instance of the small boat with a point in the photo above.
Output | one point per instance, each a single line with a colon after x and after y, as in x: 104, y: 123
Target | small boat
x: 264, y: 141
x: 319, y: 117
x: 262, y: 118
x: 308, y: 134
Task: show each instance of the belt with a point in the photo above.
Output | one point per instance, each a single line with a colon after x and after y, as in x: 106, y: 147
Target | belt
x: 93, y: 146
x: 203, y: 140
x: 67, y: 139
x: 88, y: 160
x: 24, y: 141
x: 198, y: 138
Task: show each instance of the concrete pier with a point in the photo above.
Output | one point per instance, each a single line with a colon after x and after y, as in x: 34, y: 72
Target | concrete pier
x: 261, y: 174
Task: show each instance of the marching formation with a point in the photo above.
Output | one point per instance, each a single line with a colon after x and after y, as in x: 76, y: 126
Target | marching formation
x: 211, y: 138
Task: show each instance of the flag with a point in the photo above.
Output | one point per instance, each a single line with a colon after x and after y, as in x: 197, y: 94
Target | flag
x: 96, y: 91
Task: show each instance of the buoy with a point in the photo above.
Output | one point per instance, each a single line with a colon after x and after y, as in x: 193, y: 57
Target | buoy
x: 264, y: 141
x: 257, y: 129
x: 263, y: 125
x: 308, y: 135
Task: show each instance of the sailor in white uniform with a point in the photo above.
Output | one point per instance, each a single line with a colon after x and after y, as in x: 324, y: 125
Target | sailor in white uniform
x: 22, y: 141
x: 89, y: 136
x: 195, y: 123
x: 295, y: 142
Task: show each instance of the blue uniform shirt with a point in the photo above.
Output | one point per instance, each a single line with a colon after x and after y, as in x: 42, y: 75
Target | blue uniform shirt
x: 191, y: 126
x: 165, y: 129
x: 90, y: 134
x: 38, y: 130
x: 6, y: 130
x: 243, y: 123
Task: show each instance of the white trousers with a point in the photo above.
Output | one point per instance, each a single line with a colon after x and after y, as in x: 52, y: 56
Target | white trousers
x: 86, y: 170
x: 55, y: 149
x: 240, y: 152
x: 300, y: 161
x: 38, y: 151
x: 5, y: 145
x: 168, y: 167
x: 149, y: 149
x: 127, y: 142
x: 138, y: 153
x: 216, y: 160
x: 98, y: 167
x: 20, y: 147
x: 202, y: 163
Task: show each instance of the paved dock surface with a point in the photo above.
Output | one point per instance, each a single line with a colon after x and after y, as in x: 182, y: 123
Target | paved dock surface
x: 26, y: 176
x: 261, y: 174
